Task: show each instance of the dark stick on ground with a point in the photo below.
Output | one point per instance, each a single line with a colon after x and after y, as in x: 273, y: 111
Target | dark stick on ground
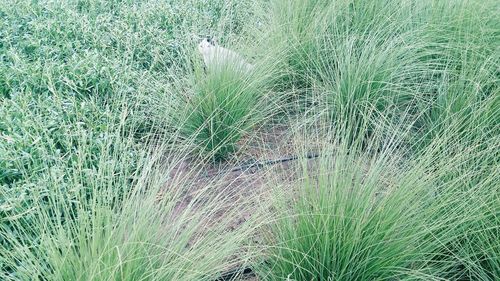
x: 260, y: 164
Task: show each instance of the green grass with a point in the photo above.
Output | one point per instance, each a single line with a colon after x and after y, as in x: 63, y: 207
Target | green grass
x: 346, y: 222
x: 102, y: 101
x: 112, y: 225
x: 375, y: 61
x: 226, y: 103
x: 380, y: 73
x: 363, y: 215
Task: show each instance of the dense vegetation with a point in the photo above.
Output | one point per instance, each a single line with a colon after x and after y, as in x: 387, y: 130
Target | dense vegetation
x: 102, y: 102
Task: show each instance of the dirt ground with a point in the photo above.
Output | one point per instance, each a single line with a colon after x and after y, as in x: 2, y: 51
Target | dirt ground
x: 246, y: 177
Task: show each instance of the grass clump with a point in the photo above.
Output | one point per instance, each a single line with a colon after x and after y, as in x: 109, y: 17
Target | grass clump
x: 359, y: 215
x: 347, y: 218
x: 354, y: 60
x: 223, y: 110
x: 128, y: 235
x: 461, y: 90
x: 466, y: 202
x: 230, y: 99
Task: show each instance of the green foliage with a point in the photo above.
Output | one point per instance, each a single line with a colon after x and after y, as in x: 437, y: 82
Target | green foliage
x: 462, y: 91
x: 367, y: 62
x: 349, y: 58
x: 360, y: 215
x: 424, y: 78
x: 78, y: 79
x: 345, y: 224
x: 226, y: 104
x: 406, y: 188
x: 45, y: 139
x: 125, y: 231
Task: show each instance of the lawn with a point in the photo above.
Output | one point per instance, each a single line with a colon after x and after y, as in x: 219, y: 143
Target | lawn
x: 360, y: 142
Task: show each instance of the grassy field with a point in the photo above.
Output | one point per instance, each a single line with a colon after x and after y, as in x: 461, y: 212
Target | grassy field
x: 364, y: 144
